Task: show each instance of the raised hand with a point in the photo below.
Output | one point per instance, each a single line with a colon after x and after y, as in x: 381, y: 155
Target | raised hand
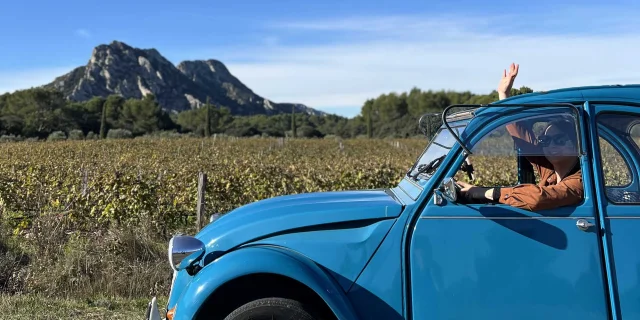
x: 504, y: 87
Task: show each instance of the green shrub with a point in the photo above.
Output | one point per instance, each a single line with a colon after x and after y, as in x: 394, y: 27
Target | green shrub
x: 76, y: 135
x: 119, y: 134
x: 57, y: 136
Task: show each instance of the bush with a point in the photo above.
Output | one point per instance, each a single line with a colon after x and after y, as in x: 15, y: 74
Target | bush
x: 57, y: 136
x: 68, y: 263
x: 76, y: 135
x: 119, y: 134
x: 12, y: 263
x: 10, y: 138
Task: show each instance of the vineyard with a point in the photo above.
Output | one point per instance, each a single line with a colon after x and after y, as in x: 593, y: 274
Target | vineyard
x: 86, y: 218
x: 93, y: 217
x: 152, y: 182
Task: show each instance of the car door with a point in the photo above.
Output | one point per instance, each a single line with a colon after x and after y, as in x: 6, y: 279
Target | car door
x: 616, y: 167
x: 495, y: 261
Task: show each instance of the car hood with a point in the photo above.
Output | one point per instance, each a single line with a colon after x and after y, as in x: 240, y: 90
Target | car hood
x: 290, y: 213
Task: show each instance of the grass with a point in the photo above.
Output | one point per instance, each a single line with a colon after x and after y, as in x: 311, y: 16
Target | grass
x: 32, y: 307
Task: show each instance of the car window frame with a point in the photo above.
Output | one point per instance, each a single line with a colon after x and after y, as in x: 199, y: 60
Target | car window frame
x: 629, y: 147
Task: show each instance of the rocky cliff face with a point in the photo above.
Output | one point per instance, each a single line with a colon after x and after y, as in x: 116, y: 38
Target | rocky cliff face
x: 118, y: 68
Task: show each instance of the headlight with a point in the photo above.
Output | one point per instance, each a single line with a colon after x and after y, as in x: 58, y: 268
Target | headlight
x: 185, y: 251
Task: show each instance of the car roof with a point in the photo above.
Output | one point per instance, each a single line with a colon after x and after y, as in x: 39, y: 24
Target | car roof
x: 613, y: 93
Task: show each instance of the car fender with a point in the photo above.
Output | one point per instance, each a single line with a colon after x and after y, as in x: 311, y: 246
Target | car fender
x: 262, y: 259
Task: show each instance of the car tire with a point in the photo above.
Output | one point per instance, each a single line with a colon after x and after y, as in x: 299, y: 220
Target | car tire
x: 271, y: 308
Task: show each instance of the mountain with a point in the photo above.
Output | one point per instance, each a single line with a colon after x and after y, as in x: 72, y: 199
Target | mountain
x: 118, y: 68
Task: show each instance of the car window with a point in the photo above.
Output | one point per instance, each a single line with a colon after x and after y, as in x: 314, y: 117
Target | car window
x: 495, y: 156
x: 615, y: 168
x: 438, y: 148
x: 622, y: 130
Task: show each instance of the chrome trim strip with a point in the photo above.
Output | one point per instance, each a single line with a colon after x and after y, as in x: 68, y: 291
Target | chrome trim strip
x: 623, y: 217
x: 463, y: 114
x: 173, y: 282
x: 504, y: 218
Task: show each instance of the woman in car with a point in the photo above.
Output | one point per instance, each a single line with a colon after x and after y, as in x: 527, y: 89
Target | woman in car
x: 560, y: 175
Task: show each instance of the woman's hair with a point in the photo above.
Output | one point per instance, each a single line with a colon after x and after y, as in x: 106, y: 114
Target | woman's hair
x: 566, y: 126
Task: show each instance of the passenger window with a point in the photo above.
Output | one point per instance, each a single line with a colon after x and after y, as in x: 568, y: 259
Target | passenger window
x: 615, y: 168
x: 617, y: 131
x: 511, y: 154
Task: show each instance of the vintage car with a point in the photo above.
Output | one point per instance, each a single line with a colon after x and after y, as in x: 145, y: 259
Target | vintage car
x: 414, y: 251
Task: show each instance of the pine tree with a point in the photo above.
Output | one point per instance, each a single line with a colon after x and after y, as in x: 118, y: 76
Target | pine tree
x: 103, y: 122
x: 293, y: 121
x: 207, y: 128
x: 369, y: 122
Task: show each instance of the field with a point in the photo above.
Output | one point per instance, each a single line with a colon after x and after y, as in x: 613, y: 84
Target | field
x: 92, y: 218
x: 85, y: 223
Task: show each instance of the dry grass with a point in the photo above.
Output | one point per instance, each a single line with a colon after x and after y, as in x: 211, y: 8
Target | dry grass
x: 34, y: 307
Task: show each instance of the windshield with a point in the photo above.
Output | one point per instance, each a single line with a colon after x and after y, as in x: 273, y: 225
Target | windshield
x: 439, y: 147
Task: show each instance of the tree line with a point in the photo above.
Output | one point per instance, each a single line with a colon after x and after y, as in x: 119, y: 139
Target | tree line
x: 40, y: 113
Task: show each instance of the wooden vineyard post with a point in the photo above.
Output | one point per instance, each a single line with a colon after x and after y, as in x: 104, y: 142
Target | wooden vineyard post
x: 202, y: 183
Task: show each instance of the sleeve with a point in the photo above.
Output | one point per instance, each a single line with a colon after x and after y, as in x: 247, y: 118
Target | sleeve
x: 524, y: 139
x: 534, y: 198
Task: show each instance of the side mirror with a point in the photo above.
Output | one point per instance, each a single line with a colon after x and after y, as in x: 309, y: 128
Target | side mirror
x: 185, y: 251
x: 449, y: 188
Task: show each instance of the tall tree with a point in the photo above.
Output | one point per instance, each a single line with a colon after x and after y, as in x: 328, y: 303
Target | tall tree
x: 293, y: 121
x: 207, y: 117
x: 103, y: 122
x: 368, y: 111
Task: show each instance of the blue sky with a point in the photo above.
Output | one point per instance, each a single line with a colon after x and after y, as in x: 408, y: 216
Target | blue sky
x: 334, y: 54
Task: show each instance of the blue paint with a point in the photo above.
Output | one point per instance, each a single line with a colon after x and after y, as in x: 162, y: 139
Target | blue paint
x: 253, y: 260
x: 598, y: 187
x: 623, y: 236
x: 504, y: 269
x: 378, y: 292
x: 343, y: 252
x: 397, y: 254
x: 620, y: 215
x: 287, y: 214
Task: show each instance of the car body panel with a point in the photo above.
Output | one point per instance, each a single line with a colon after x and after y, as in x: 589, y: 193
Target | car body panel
x: 620, y: 207
x: 343, y: 252
x: 502, y: 259
x: 262, y: 259
x: 503, y: 267
x: 290, y: 213
x: 277, y: 217
x: 378, y: 291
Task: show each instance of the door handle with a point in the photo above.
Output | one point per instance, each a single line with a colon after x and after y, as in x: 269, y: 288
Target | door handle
x: 583, y: 224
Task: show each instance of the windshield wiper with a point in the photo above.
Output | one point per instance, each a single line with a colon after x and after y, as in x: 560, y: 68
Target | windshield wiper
x: 424, y: 168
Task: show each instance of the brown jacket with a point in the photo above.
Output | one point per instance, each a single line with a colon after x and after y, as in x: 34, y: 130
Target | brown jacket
x: 548, y: 193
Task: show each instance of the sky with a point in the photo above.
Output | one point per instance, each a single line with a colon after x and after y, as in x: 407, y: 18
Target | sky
x: 333, y: 55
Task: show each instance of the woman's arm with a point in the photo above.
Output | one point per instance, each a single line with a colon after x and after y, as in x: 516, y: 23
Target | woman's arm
x: 522, y: 135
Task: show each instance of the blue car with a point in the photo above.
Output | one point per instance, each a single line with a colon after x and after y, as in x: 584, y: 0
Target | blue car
x: 417, y: 251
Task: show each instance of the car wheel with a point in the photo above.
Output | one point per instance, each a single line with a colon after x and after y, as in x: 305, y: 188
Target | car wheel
x: 271, y: 308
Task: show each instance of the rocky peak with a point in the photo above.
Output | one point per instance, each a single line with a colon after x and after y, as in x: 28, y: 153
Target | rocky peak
x: 117, y: 68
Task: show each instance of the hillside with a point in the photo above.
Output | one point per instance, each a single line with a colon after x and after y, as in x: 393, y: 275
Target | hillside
x: 120, y: 69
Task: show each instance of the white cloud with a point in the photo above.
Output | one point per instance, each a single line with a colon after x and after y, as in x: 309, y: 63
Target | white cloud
x: 397, y: 53
x: 25, y: 79
x: 84, y: 33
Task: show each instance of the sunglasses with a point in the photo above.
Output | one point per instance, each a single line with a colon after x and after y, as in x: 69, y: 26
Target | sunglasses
x: 558, y: 139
